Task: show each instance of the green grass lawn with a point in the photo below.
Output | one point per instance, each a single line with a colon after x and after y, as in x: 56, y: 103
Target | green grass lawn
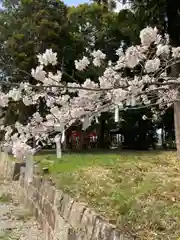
x: 138, y: 191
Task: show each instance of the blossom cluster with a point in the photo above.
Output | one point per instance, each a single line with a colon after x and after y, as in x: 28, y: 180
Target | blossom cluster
x: 21, y: 149
x: 139, y: 76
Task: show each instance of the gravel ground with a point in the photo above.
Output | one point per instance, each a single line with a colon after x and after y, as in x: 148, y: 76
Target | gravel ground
x: 16, y: 222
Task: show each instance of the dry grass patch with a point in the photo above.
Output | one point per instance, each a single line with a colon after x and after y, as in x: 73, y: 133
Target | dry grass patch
x: 97, y: 173
x: 138, y: 191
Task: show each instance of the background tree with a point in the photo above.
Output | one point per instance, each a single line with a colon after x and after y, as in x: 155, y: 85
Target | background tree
x: 165, y: 15
x: 107, y: 4
x: 26, y: 29
x: 138, y: 133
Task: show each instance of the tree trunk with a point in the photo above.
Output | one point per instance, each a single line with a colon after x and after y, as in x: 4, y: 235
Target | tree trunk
x: 174, y: 73
x: 177, y: 126
x: 173, y: 31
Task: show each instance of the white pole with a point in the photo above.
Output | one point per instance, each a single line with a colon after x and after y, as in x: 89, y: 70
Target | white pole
x: 116, y: 114
x: 58, y: 147
x: 29, y: 168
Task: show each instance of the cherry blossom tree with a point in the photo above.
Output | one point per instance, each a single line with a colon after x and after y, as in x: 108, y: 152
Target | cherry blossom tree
x: 139, y: 78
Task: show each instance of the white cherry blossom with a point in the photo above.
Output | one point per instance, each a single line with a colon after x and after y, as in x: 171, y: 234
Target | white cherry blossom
x: 49, y: 57
x: 39, y: 74
x: 162, y: 50
x: 82, y: 64
x: 176, y: 52
x: 148, y: 35
x: 152, y: 65
x: 15, y: 94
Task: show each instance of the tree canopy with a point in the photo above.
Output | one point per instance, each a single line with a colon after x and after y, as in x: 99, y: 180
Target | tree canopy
x: 29, y: 27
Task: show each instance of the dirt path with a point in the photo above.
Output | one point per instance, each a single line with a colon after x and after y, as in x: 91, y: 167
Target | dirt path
x: 16, y: 222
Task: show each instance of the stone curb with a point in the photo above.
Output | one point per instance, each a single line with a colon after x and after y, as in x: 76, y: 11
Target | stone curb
x: 59, y: 215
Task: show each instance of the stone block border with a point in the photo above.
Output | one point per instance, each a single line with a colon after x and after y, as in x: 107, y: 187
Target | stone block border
x: 59, y: 215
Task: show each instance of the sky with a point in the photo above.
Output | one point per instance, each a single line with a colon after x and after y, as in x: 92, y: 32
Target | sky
x: 69, y: 2
x: 75, y: 2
